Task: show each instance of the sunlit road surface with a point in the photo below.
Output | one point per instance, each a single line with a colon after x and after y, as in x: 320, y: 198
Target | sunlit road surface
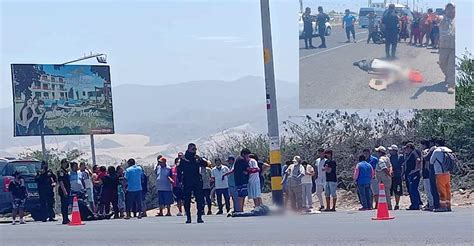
x: 332, y: 228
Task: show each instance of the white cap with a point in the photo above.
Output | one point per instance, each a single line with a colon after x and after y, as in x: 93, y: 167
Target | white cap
x: 381, y: 149
x: 393, y: 147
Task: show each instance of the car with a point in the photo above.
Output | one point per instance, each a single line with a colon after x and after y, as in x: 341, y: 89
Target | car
x: 439, y: 11
x: 315, y: 28
x: 364, y: 20
x: 28, y: 170
x: 405, y: 10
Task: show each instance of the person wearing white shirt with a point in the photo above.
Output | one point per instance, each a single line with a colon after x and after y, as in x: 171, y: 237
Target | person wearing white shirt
x: 294, y: 174
x: 254, y: 190
x: 221, y: 185
x: 320, y: 178
x: 307, y: 182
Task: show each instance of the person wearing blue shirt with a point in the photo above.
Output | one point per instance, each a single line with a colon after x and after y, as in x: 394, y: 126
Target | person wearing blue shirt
x: 348, y: 22
x: 363, y: 175
x: 374, y: 184
x: 133, y: 175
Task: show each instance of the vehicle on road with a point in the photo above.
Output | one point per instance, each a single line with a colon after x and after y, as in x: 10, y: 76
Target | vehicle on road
x: 315, y: 28
x: 28, y: 170
x: 404, y: 10
x: 439, y: 11
x: 364, y: 20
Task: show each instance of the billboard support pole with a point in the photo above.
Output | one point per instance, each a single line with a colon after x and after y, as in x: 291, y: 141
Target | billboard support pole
x: 93, y: 149
x: 101, y: 58
x: 43, y: 148
x: 272, y: 112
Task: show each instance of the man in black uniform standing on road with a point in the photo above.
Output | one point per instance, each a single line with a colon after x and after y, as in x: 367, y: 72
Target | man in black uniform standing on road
x: 64, y: 190
x: 46, y: 182
x: 321, y: 20
x: 390, y: 24
x: 189, y: 175
x: 308, y: 29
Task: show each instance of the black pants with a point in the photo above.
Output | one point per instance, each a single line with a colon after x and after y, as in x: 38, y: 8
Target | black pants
x: 225, y: 193
x: 133, y: 198
x: 207, y: 198
x: 434, y: 188
x: 308, y: 38
x: 108, y: 199
x: 47, y: 205
x: 322, y: 35
x: 197, y: 191
x: 371, y: 36
x: 65, y: 208
x: 391, y: 41
x: 407, y: 184
x: 349, y: 30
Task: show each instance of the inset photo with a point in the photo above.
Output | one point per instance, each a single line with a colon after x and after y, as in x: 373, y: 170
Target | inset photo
x: 354, y: 54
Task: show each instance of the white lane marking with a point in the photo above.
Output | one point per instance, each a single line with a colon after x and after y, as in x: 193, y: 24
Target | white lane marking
x: 330, y: 49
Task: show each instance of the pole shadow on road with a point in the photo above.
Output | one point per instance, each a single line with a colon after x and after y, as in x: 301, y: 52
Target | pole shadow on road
x: 439, y: 87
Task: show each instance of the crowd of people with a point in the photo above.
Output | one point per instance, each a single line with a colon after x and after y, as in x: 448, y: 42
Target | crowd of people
x: 106, y: 192
x: 431, y: 30
x: 391, y: 166
x: 428, y: 29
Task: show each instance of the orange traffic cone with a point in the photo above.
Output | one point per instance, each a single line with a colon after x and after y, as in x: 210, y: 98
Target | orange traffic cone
x: 382, y: 208
x: 76, y: 215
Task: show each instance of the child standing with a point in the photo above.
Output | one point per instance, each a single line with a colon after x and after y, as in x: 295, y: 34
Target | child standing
x: 19, y: 195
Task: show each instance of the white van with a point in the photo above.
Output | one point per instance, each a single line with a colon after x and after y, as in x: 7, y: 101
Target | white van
x: 363, y: 12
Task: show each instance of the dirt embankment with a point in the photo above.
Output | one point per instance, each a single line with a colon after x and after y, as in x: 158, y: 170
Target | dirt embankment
x: 347, y: 200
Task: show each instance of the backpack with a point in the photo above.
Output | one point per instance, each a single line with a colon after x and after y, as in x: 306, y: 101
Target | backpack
x: 449, y: 161
x: 292, y: 180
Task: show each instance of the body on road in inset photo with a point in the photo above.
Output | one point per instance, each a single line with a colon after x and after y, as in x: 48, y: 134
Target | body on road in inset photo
x: 406, y: 61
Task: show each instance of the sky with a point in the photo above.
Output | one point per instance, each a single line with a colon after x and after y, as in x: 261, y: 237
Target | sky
x: 163, y: 42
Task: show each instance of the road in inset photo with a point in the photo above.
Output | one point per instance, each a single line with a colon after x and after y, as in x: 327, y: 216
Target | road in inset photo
x: 330, y: 79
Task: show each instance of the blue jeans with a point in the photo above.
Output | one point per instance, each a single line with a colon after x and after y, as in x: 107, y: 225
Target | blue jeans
x: 365, y: 195
x: 133, y: 198
x: 434, y: 189
x: 414, y: 183
x: 235, y: 197
x: 350, y: 30
x: 223, y: 193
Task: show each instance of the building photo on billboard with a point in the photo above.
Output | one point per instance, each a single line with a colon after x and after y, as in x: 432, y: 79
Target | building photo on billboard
x: 61, y: 100
x: 377, y: 54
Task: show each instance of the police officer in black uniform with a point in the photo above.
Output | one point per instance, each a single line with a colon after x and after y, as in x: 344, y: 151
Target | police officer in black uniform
x: 64, y: 190
x: 189, y: 175
x: 308, y: 29
x: 391, y: 27
x: 321, y: 20
x: 46, y: 182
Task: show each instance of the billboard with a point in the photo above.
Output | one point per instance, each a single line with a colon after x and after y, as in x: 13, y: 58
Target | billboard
x: 61, y: 100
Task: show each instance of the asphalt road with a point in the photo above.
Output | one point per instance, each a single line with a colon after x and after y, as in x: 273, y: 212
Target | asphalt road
x: 339, y: 228
x: 328, y: 78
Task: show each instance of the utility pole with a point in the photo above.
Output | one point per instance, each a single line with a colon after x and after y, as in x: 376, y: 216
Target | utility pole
x: 43, y: 147
x: 272, y: 113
